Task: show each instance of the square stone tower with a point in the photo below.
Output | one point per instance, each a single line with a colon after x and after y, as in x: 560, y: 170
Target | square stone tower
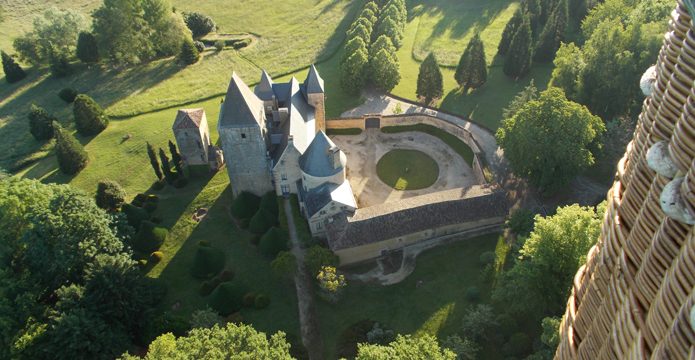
x: 192, y: 136
x: 313, y: 90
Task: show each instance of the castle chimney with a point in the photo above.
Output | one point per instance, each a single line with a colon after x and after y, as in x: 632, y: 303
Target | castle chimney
x: 334, y: 156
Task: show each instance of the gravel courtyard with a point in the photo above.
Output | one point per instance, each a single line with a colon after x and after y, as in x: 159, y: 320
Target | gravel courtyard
x: 364, y: 151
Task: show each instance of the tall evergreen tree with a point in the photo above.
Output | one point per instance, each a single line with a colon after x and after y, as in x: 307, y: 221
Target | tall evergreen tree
x: 70, y: 153
x: 509, y: 31
x: 392, y: 29
x: 471, y: 71
x: 369, y: 15
x: 359, y: 30
x: 430, y: 82
x: 189, y: 53
x: 386, y: 71
x: 351, y: 47
x: 353, y: 72
x: 87, y: 48
x: 532, y: 9
x: 153, y: 161
x: 176, y: 158
x: 40, y: 123
x: 552, y: 35
x: 518, y: 61
x: 166, y: 169
x: 13, y: 72
x: 89, y: 117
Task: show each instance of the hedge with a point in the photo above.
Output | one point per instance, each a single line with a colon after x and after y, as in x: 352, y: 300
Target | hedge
x: 349, y: 131
x: 262, y: 221
x: 150, y: 237
x: 207, y: 262
x: 135, y: 215
x: 245, y: 205
x: 269, y: 202
x: 227, y: 298
x: 274, y: 241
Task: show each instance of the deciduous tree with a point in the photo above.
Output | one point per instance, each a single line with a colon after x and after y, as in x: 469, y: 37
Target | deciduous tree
x: 53, y: 37
x: 430, y: 83
x: 406, y: 348
x: 477, y: 322
x: 392, y: 29
x: 353, y: 73
x: 569, y: 63
x: 471, y: 71
x: 386, y: 71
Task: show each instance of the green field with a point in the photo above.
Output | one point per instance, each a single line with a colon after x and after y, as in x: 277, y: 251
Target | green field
x: 407, y: 169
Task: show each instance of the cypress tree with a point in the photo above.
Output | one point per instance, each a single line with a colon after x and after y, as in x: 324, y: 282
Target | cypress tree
x: 153, y: 161
x: 430, y: 83
x: 168, y: 175
x: 13, y: 72
x: 40, y: 123
x: 373, y: 7
x: 509, y: 31
x: 386, y: 72
x: 369, y: 15
x: 189, y: 53
x: 471, y: 71
x: 552, y: 35
x: 518, y: 61
x: 359, y: 30
x: 353, y: 72
x: 87, y: 50
x: 176, y: 158
x: 70, y: 154
x: 532, y: 9
x: 390, y: 28
x: 89, y: 117
x: 351, y: 47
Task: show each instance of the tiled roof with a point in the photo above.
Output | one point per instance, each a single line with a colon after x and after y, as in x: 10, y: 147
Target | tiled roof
x: 241, y: 106
x: 188, y: 118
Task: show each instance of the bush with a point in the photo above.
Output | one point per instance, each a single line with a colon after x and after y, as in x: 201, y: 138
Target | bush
x: 255, y: 239
x: 60, y: 67
x: 204, y: 243
x: 199, y: 23
x: 40, y: 123
x: 269, y: 202
x: 205, y: 288
x: 318, y: 257
x: 156, y: 220
x: 245, y: 205
x: 87, y: 49
x: 150, y: 237
x: 207, y: 261
x: 473, y: 293
x: 150, y: 206
x: 226, y: 275
x: 158, y: 185
x: 226, y: 298
x: 199, y: 46
x: 152, y: 199
x: 219, y: 45
x: 136, y: 203
x: 167, y: 323
x: 142, y: 263
x: 262, y: 221
x: 189, y: 54
x: 488, y: 257
x: 68, y: 95
x: 244, y: 223
x: 518, y: 344
x: 69, y: 152
x: 156, y: 256
x: 274, y: 241
x: 180, y: 183
x: 242, y: 43
x: 89, y: 117
x: 262, y: 301
x: 249, y: 299
x: 507, y: 324
x: 110, y: 195
x: 135, y: 215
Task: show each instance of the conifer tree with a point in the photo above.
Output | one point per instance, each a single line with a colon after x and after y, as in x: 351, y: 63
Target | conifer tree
x: 87, y: 49
x: 70, y: 154
x: 471, y: 71
x: 153, y: 161
x: 532, y: 9
x: 13, y: 72
x: 518, y: 61
x: 509, y: 31
x: 89, y: 117
x: 552, y: 35
x: 369, y: 15
x: 386, y: 71
x: 373, y: 7
x: 40, y: 123
x: 359, y: 30
x: 189, y: 53
x: 176, y: 158
x: 390, y: 28
x: 166, y: 169
x: 353, y: 72
x: 351, y: 47
x: 430, y: 83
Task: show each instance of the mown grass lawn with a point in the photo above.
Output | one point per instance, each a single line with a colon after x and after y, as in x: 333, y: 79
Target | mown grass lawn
x: 455, y: 143
x: 407, y: 169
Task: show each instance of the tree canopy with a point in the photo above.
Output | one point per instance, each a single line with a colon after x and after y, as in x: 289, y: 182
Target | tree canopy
x: 471, y: 71
x: 406, y: 348
x: 517, y: 64
x: 430, y: 82
x: 54, y: 36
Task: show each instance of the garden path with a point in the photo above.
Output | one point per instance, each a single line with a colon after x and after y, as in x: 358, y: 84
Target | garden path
x: 308, y: 318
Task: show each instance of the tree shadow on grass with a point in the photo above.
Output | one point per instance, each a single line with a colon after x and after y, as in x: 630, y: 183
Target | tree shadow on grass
x: 460, y: 18
x: 335, y: 41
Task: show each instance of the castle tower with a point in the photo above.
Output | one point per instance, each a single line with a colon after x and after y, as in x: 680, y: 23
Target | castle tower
x: 313, y: 90
x: 244, y: 139
x: 634, y: 297
x: 192, y: 136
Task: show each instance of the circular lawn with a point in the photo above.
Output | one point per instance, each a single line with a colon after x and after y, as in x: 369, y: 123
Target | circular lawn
x: 407, y: 169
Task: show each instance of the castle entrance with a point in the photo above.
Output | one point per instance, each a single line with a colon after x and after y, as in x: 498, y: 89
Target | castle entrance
x: 372, y: 123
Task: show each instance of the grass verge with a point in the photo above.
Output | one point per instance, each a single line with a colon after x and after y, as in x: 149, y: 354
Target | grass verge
x: 455, y: 143
x: 407, y: 169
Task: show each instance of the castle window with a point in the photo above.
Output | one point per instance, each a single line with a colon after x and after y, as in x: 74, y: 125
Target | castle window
x: 318, y: 225
x: 323, y: 212
x: 199, y: 146
x: 283, y: 176
x: 243, y: 136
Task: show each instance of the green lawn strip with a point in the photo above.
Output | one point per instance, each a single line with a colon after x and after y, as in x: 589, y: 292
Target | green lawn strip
x: 455, y: 143
x: 282, y: 217
x: 407, y: 169
x: 350, y: 131
x: 300, y: 223
x: 436, y: 307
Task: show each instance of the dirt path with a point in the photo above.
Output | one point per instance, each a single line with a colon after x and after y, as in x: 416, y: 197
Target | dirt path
x: 308, y: 318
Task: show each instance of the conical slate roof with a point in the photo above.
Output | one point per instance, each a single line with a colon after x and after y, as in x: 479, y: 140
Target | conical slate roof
x: 313, y: 83
x: 241, y: 106
x: 316, y: 160
x: 264, y: 89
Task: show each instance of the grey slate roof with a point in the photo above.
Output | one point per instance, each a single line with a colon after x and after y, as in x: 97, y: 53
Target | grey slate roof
x: 316, y: 161
x: 313, y: 83
x: 264, y: 89
x: 241, y: 106
x: 188, y: 118
x: 392, y: 220
x: 317, y: 198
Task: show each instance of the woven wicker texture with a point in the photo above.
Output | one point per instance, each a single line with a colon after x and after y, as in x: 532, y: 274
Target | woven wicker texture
x: 634, y: 296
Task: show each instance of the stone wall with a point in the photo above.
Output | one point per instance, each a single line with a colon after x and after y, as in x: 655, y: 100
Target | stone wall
x: 245, y: 154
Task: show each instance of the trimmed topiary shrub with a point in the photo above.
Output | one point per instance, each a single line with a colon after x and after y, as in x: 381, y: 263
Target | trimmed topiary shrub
x: 135, y: 215
x: 152, y: 198
x: 226, y: 299
x: 142, y: 263
x: 274, y: 241
x: 150, y: 237
x: 141, y: 198
x: 249, y: 299
x: 199, y: 46
x: 473, y: 293
x: 156, y: 256
x: 158, y: 185
x: 136, y: 203
x: 226, y: 275
x: 89, y: 117
x: 180, y: 183
x: 269, y: 201
x: 69, y: 152
x: 207, y: 261
x: 245, y: 205
x: 204, y: 243
x: 488, y: 257
x: 40, y: 123
x: 156, y: 220
x: 262, y: 301
x: 219, y: 45
x: 215, y: 282
x: 262, y: 221
x: 150, y: 206
x: 167, y: 323
x: 110, y: 195
x: 255, y: 239
x: 244, y: 223
x: 87, y: 49
x: 205, y: 288
x: 13, y: 72
x: 68, y: 95
x: 235, y: 318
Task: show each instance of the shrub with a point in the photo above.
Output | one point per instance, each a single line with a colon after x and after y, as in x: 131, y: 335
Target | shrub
x: 150, y: 206
x: 204, y: 243
x: 244, y: 223
x: 274, y: 241
x: 150, y: 237
x: 269, y: 202
x: 13, y: 72
x: 249, y: 299
x: 135, y: 215
x: 235, y: 318
x: 219, y: 45
x: 68, y: 95
x: 473, y: 293
x: 110, y: 195
x: 205, y: 319
x: 226, y: 298
x: 189, y: 54
x: 152, y: 198
x: 255, y: 239
x: 518, y: 344
x: 205, y: 288
x: 245, y: 205
x: 242, y: 43
x: 507, y: 324
x: 488, y: 273
x: 156, y: 256
x: 60, y: 66
x: 262, y: 301
x: 488, y: 257
x: 156, y: 220
x: 318, y: 257
x: 199, y: 23
x: 180, y: 183
x: 158, y: 185
x: 262, y: 221
x: 207, y: 261
x: 142, y: 263
x: 69, y: 152
x: 226, y: 275
x: 141, y: 198
x: 215, y: 282
x: 167, y: 323
x: 40, y: 123
x: 136, y: 203
x: 89, y: 117
x: 199, y: 46
x: 87, y: 49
